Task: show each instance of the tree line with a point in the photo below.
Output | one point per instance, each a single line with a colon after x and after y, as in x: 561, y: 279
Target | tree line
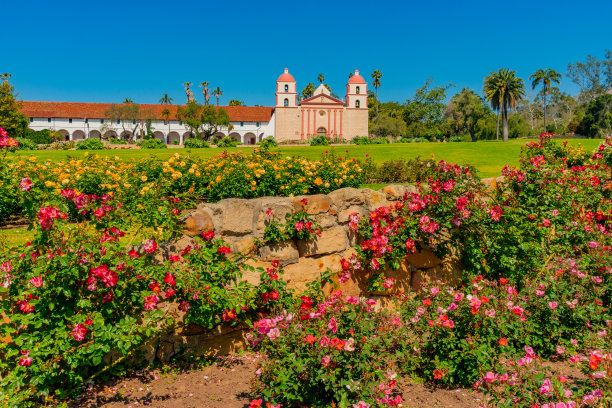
x: 506, y: 108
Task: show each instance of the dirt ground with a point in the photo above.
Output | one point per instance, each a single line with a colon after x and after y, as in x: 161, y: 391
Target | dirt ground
x: 226, y: 384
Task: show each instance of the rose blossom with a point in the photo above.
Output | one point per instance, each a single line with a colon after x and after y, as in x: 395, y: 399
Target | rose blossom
x: 25, y: 184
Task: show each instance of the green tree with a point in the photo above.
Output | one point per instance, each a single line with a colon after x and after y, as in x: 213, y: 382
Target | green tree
x: 11, y: 118
x: 165, y: 100
x: 592, y: 76
x: 503, y: 89
x: 545, y: 77
x: 307, y: 91
x: 597, y: 121
x: 131, y: 116
x: 166, y: 115
x: 191, y: 116
x: 424, y: 113
x: 376, y: 75
x: 217, y: 92
x: 321, y: 78
x: 385, y: 125
x: 213, y: 119
x: 467, y: 110
x: 235, y: 102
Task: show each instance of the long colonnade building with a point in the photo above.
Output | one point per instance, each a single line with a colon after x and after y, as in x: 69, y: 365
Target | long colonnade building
x: 288, y: 120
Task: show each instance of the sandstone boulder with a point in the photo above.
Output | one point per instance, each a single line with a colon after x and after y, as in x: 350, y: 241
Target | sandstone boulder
x: 315, y: 204
x: 331, y: 241
x: 285, y: 252
x: 297, y: 275
x: 198, y: 222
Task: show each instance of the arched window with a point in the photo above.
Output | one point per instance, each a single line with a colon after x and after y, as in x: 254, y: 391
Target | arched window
x: 357, y: 103
x: 286, y: 88
x: 357, y: 90
x: 286, y: 103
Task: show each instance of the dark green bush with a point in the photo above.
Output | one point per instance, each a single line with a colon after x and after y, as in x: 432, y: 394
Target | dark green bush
x: 38, y: 136
x: 381, y: 140
x: 361, y: 140
x: 151, y: 144
x: 269, y: 142
x: 193, y: 143
x: 227, y: 142
x: 455, y: 139
x: 319, y: 141
x: 90, y: 144
x: 117, y: 141
x: 25, y: 144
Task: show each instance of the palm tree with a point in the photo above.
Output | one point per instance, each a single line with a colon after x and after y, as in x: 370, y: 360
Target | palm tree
x: 544, y: 77
x: 5, y: 76
x: 503, y: 89
x: 351, y: 74
x: 217, y: 92
x: 321, y: 78
x: 376, y: 75
x: 165, y: 100
x: 128, y: 100
x: 204, y: 86
x: 166, y: 115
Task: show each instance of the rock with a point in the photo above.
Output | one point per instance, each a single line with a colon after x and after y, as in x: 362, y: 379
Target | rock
x: 490, y: 183
x: 325, y: 221
x: 402, y: 276
x: 374, y: 199
x: 237, y: 216
x: 192, y: 329
x: 285, y: 252
x: 297, y: 275
x: 394, y: 192
x: 331, y: 241
x: 423, y: 259
x: 344, y: 215
x: 198, y: 222
x: 315, y: 204
x: 165, y: 351
x: 242, y: 244
x: 250, y: 273
x: 280, y: 206
x: 345, y: 197
x: 449, y: 273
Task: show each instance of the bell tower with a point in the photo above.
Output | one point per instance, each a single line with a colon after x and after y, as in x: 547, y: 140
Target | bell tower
x: 286, y: 91
x: 357, y: 92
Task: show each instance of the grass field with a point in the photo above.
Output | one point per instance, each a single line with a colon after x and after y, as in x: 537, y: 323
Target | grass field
x: 489, y: 157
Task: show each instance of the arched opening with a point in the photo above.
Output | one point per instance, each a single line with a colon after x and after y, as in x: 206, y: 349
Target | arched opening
x: 126, y: 135
x: 286, y: 88
x: 159, y: 135
x: 78, y: 135
x: 186, y: 136
x: 65, y: 135
x: 172, y: 136
x: 321, y: 131
x: 94, y: 134
x: 286, y: 102
x: 357, y: 90
x: 109, y: 134
x: 261, y: 137
x: 218, y: 135
x: 357, y: 104
x: 236, y: 136
x: 250, y: 139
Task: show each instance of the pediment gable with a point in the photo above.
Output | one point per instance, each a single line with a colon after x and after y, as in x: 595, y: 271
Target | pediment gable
x: 322, y: 99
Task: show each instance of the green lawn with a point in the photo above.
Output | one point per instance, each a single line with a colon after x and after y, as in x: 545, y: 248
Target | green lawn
x: 489, y: 157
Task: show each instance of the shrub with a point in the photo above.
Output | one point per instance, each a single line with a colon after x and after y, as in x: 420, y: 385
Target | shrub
x: 90, y: 144
x: 38, y: 136
x: 194, y: 143
x: 151, y: 144
x: 381, y: 140
x: 319, y: 141
x: 25, y: 144
x: 269, y: 142
x: 455, y: 139
x: 227, y: 142
x: 404, y: 140
x: 114, y: 140
x: 77, y: 314
x: 361, y: 140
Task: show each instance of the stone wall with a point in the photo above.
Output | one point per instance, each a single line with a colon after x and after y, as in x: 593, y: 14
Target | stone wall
x: 241, y: 221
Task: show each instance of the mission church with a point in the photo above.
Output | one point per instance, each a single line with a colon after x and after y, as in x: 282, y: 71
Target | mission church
x: 289, y: 120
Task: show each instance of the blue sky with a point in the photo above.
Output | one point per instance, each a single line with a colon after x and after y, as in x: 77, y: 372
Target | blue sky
x: 106, y: 51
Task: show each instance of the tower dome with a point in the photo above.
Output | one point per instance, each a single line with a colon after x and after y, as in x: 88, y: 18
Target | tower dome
x: 286, y: 77
x: 356, y: 79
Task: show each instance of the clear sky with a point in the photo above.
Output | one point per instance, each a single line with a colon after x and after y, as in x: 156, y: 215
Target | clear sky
x: 105, y: 51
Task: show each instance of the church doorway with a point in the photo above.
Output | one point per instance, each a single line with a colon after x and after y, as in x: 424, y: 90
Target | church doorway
x: 321, y: 131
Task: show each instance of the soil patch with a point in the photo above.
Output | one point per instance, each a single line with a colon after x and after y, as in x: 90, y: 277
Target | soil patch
x: 226, y: 384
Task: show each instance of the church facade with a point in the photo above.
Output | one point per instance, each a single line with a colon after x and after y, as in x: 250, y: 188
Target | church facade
x: 289, y: 120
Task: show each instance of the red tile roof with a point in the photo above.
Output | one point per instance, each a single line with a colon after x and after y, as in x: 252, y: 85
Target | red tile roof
x: 36, y: 109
